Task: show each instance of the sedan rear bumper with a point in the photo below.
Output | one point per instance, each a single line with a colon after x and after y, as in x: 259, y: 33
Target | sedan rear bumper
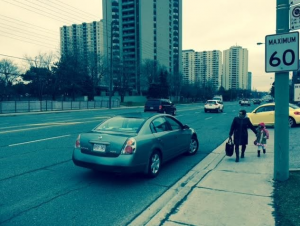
x: 120, y: 164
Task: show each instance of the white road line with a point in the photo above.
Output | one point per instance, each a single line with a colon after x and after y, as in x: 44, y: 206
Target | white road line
x: 208, y: 118
x: 34, y: 141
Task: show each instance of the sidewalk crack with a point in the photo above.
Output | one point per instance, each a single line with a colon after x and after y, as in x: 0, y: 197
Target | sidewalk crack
x: 236, y: 192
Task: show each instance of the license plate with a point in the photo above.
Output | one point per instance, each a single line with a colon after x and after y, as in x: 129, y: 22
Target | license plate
x: 99, y: 147
x: 151, y: 107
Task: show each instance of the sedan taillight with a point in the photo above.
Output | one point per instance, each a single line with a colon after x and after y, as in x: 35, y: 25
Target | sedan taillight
x: 297, y: 112
x: 130, y: 147
x: 160, y: 107
x: 77, y: 143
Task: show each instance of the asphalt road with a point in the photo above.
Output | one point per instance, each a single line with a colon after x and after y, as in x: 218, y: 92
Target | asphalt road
x: 40, y: 185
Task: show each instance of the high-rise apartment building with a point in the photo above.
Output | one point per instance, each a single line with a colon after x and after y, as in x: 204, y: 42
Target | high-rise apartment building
x: 82, y: 40
x: 204, y: 68
x: 249, y: 81
x: 139, y: 30
x: 188, y: 66
x: 235, y: 68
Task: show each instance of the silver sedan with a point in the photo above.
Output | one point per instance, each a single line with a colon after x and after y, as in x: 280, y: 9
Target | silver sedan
x: 135, y: 142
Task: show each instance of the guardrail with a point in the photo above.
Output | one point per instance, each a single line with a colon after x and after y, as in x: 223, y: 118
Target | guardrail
x: 49, y: 105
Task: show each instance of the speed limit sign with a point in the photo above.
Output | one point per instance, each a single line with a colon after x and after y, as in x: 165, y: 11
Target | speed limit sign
x: 282, y: 52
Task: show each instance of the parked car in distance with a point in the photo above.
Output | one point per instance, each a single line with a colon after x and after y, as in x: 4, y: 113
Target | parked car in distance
x: 160, y: 105
x: 213, y: 105
x: 245, y: 102
x: 256, y: 101
x: 134, y: 142
x: 266, y: 113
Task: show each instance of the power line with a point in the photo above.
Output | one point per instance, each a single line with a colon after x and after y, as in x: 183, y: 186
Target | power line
x: 55, y: 11
x: 28, y: 24
x: 29, y: 32
x: 45, y: 43
x: 34, y: 11
x: 74, y: 8
x: 27, y: 41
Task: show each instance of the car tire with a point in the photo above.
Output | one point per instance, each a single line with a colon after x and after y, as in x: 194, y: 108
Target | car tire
x: 222, y: 110
x: 205, y: 110
x: 194, y: 145
x: 291, y: 122
x: 154, y: 164
x: 219, y: 110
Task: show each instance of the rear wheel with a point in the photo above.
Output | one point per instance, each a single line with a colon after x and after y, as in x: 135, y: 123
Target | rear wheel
x: 154, y: 164
x: 194, y: 145
x: 291, y: 122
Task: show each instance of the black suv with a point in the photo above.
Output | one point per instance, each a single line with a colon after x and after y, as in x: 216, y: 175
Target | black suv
x: 160, y: 105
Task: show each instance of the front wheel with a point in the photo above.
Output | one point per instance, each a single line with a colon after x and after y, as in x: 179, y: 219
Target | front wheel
x: 194, y: 145
x: 154, y: 164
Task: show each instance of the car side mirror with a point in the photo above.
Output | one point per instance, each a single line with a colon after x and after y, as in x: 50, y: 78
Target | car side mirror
x: 186, y: 127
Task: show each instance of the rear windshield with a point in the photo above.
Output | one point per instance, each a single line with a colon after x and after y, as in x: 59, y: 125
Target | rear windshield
x: 210, y: 102
x: 153, y: 102
x: 121, y: 124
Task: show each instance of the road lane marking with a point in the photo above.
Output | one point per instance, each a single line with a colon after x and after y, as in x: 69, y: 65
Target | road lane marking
x: 208, y: 118
x: 47, y: 125
x: 34, y: 141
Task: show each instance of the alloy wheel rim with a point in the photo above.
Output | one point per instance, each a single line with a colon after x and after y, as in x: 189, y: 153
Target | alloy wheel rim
x: 155, y: 163
x: 193, y: 145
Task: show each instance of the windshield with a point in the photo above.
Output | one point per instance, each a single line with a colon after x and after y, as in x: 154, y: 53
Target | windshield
x: 121, y: 124
x: 294, y: 106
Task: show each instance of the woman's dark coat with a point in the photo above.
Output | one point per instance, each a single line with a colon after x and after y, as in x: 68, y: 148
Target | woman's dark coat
x: 239, y: 128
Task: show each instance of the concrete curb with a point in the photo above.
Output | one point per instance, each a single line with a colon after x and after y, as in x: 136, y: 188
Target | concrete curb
x: 157, y: 211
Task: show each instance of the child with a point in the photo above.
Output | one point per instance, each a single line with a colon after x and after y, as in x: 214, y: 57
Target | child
x: 262, y: 134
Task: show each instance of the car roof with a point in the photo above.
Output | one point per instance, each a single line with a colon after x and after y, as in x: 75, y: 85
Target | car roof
x: 143, y: 115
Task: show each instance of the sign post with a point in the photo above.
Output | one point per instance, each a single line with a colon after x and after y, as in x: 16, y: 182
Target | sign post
x: 282, y: 55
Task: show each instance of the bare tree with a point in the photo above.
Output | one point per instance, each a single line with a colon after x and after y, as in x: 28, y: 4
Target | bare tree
x: 8, y: 72
x: 150, y: 70
x: 40, y: 74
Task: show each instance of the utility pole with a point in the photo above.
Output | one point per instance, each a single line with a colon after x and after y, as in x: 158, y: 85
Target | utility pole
x: 281, y: 138
x: 111, y: 66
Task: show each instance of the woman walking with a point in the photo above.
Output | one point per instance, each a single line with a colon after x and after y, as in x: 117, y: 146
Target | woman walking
x: 239, y: 129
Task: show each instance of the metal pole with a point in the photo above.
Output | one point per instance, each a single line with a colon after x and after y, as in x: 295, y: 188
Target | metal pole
x: 281, y: 138
x: 111, y: 67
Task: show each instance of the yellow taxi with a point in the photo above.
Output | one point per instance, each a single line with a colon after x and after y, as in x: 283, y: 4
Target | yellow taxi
x: 266, y: 113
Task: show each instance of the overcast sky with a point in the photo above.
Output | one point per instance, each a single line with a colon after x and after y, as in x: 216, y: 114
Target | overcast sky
x: 30, y: 27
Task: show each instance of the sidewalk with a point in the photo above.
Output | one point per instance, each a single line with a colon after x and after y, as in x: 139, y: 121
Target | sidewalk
x: 219, y: 191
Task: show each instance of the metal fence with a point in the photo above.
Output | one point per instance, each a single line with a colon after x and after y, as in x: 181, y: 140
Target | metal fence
x: 48, y: 105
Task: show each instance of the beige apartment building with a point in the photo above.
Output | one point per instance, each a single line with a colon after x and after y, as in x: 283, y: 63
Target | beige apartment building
x: 204, y: 68
x: 235, y: 68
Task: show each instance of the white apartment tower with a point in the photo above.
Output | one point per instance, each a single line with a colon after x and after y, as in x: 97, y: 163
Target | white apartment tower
x: 235, y: 68
x: 188, y: 66
x: 204, y: 68
x: 82, y: 40
x: 138, y: 30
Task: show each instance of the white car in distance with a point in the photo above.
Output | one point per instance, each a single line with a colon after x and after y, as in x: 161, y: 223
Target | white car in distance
x: 213, y: 105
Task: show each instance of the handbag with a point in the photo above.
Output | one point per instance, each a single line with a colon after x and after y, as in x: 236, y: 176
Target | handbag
x: 255, y: 142
x: 229, y: 147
